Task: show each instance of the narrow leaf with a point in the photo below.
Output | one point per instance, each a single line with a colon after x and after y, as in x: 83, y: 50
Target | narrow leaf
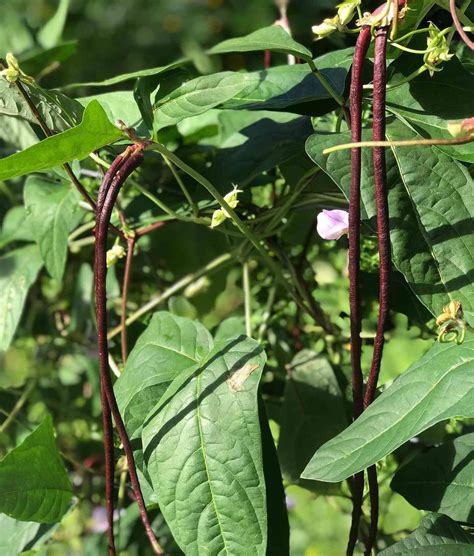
x: 269, y: 38
x: 34, y: 485
x: 95, y: 131
x: 53, y: 211
x: 439, y: 386
x: 50, y: 34
x: 437, y: 534
x: 18, y: 271
x: 441, y: 480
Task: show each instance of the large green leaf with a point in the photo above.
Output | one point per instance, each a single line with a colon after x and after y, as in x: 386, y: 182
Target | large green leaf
x: 436, y: 535
x: 198, y: 96
x: 441, y: 480
x: 18, y: 271
x: 273, y: 89
x: 431, y: 208
x: 53, y: 211
x: 34, y: 485
x: 439, y: 386
x: 58, y: 111
x: 312, y: 412
x: 16, y: 132
x: 431, y: 103
x: 255, y: 141
x: 169, y: 346
x: 282, y: 87
x: 203, y: 453
x: 269, y: 38
x: 95, y: 131
x: 19, y: 536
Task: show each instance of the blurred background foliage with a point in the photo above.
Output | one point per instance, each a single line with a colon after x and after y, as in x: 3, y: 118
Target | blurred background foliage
x: 57, y: 368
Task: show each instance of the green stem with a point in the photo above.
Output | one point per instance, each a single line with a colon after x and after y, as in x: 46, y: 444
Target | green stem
x: 183, y: 187
x: 247, y: 299
x: 407, y: 79
x: 18, y: 406
x: 218, y: 262
x: 325, y: 83
x: 245, y: 231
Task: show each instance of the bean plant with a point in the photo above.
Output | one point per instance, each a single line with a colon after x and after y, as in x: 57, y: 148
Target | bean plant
x: 230, y: 297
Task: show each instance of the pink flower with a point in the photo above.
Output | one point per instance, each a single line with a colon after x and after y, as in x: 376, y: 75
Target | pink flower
x: 332, y: 224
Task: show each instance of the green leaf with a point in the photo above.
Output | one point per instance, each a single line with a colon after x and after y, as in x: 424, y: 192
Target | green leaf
x: 127, y: 76
x: 95, y: 131
x: 437, y: 534
x: 58, y: 111
x: 441, y: 480
x: 15, y: 227
x: 198, y: 96
x: 19, y: 536
x: 18, y: 271
x: 17, y: 132
x: 169, y: 346
x: 269, y: 38
x: 34, y: 485
x: 430, y: 205
x: 286, y: 86
x: 273, y: 89
x: 430, y: 103
x: 254, y: 142
x: 211, y: 488
x: 50, y: 34
x: 439, y: 386
x: 53, y: 211
x: 312, y: 412
x: 118, y: 105
x: 39, y: 59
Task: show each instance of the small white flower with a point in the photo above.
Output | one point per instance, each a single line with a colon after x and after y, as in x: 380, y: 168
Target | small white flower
x: 346, y: 11
x: 332, y: 224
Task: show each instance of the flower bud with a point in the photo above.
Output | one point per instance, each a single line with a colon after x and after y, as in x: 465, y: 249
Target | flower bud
x: 325, y: 28
x: 113, y: 255
x: 346, y: 10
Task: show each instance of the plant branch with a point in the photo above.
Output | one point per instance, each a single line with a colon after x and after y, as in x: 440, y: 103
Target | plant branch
x: 187, y: 280
x: 126, y: 281
x: 404, y: 143
x: 454, y: 14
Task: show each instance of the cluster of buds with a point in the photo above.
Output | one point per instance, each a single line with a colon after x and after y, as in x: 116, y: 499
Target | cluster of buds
x: 437, y: 49
x: 451, y: 324
x: 345, y: 13
x: 113, y: 255
x: 13, y: 72
x: 221, y: 214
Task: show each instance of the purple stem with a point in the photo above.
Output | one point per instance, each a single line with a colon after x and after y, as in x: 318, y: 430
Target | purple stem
x: 108, y: 194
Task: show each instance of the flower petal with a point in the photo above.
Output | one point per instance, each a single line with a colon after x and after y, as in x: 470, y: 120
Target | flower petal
x: 332, y: 224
